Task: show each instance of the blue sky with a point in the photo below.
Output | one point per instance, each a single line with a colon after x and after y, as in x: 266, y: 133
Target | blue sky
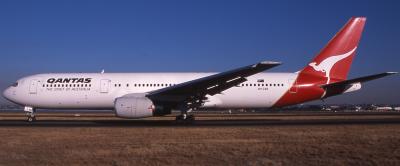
x: 182, y: 36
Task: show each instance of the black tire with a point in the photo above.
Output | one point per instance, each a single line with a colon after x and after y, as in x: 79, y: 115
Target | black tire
x: 179, y: 118
x: 31, y: 119
x: 190, y: 118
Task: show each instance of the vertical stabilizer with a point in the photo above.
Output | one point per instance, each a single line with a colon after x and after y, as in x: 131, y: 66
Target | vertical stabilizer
x: 334, y: 61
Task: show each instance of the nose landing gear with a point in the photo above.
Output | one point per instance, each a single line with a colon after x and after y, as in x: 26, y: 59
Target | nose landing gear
x: 30, y: 113
x: 31, y: 118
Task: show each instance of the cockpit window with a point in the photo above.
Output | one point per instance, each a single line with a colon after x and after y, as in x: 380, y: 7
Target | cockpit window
x: 15, y: 84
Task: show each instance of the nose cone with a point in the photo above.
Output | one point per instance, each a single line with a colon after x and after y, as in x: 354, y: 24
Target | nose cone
x: 7, y: 93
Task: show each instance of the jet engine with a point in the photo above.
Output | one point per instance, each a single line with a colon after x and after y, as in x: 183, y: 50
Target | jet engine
x: 138, y: 106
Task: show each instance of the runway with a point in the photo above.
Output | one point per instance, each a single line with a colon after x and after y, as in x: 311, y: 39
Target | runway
x: 291, y: 138
x: 203, y: 119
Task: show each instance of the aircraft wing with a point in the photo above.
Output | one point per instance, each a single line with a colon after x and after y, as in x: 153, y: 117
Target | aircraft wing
x: 197, y: 89
x: 343, y: 86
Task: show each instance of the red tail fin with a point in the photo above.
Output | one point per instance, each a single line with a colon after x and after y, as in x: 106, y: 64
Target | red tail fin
x: 332, y: 64
x: 334, y: 61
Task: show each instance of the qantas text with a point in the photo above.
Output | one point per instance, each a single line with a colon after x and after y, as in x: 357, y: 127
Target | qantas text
x: 69, y: 80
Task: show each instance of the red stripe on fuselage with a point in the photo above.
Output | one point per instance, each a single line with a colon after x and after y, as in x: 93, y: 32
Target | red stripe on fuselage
x: 306, y: 88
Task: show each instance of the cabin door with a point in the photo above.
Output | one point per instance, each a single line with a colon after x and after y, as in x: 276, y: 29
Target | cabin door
x: 104, y: 86
x: 293, y: 88
x: 33, y: 86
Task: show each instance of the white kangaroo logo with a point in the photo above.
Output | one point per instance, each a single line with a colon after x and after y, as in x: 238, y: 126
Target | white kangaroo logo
x: 326, y: 65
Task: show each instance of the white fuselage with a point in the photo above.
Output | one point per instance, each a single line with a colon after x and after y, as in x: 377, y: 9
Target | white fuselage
x: 260, y: 90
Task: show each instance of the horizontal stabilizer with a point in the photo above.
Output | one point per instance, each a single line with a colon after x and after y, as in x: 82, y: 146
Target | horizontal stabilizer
x: 358, y: 80
x: 350, y: 85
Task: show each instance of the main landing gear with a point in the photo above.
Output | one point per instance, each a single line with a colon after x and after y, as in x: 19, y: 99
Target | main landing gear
x: 30, y: 113
x: 184, y: 117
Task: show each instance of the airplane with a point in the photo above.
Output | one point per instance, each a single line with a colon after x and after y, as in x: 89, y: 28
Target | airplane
x: 140, y: 95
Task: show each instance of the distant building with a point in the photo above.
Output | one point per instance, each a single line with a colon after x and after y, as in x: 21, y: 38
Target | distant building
x: 383, y: 108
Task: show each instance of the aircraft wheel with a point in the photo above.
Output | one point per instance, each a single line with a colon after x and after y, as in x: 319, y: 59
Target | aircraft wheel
x: 190, y: 118
x: 31, y: 119
x: 185, y: 119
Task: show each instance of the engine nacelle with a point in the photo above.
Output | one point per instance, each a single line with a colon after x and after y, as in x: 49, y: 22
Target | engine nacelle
x: 137, y: 106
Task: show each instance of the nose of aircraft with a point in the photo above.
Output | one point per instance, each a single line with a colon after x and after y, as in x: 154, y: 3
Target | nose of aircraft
x: 7, y: 93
